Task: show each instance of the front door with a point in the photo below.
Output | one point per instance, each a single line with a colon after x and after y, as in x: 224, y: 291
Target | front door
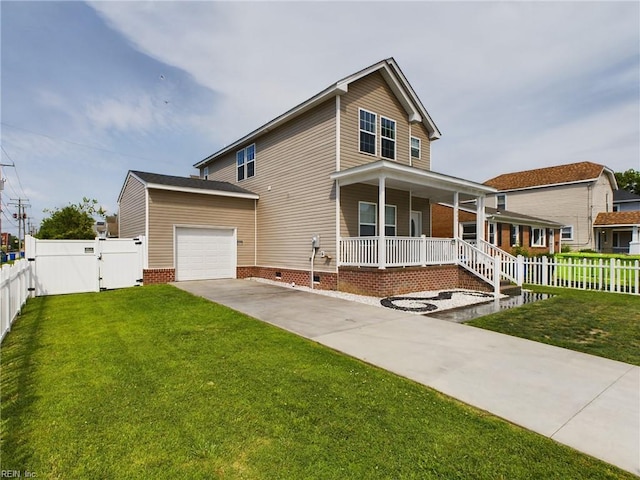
x: 416, y: 223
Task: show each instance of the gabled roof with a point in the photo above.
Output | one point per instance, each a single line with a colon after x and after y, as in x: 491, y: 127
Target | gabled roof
x: 622, y: 196
x: 391, y: 73
x: 557, y: 175
x: 617, y: 219
x: 188, y: 185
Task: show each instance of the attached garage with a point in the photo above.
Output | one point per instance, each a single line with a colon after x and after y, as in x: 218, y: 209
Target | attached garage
x: 205, y: 253
x: 195, y: 229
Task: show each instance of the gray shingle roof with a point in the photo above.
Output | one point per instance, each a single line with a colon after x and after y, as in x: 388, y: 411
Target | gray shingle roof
x: 625, y: 196
x: 189, y: 182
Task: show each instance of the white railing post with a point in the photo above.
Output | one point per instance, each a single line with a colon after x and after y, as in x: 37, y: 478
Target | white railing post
x: 545, y: 271
x: 423, y: 250
x: 497, y: 274
x: 520, y: 270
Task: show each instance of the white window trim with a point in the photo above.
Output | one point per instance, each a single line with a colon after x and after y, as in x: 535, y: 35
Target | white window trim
x: 394, y: 140
x: 375, y: 224
x: 542, y: 238
x: 205, y: 173
x: 411, y: 148
x: 570, y: 238
x: 515, y: 232
x: 375, y: 132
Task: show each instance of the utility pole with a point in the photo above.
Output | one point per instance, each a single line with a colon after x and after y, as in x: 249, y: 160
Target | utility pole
x: 2, y: 180
x: 21, y: 216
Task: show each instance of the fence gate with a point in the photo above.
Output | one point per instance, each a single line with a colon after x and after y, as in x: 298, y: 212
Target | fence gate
x: 75, y: 266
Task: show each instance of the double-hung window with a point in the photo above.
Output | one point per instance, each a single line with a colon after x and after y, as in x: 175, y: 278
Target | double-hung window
x: 368, y: 122
x: 388, y: 138
x: 538, y: 237
x: 368, y: 219
x: 567, y: 233
x: 501, y: 201
x: 415, y: 148
x: 246, y: 162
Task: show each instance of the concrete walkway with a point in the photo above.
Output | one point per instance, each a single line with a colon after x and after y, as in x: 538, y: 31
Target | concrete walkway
x: 589, y: 403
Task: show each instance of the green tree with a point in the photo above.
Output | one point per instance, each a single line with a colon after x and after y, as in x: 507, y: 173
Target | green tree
x: 629, y: 180
x: 75, y: 221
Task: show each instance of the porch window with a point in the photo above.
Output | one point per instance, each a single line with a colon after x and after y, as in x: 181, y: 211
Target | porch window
x: 367, y: 132
x: 388, y: 138
x: 538, y: 237
x: 567, y: 233
x: 246, y: 162
x: 367, y: 217
x: 390, y: 220
x: 415, y: 148
x: 469, y: 232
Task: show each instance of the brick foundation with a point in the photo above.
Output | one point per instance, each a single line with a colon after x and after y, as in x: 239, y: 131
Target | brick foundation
x: 398, y: 281
x: 158, y: 275
x: 328, y: 280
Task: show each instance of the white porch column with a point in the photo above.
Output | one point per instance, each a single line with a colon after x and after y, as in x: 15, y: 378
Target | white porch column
x: 634, y: 245
x: 480, y: 219
x: 338, y: 213
x: 456, y: 220
x: 382, y: 243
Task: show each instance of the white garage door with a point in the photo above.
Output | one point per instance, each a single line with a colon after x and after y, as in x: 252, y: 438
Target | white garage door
x: 205, y: 253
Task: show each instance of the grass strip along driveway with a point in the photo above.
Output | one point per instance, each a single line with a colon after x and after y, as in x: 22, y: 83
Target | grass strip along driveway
x: 152, y: 382
x: 598, y: 323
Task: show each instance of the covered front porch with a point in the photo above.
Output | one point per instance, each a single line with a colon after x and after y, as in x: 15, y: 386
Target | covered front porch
x: 399, y: 235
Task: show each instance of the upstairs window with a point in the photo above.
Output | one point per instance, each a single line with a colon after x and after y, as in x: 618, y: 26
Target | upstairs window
x: 246, y: 162
x: 501, y: 201
x: 368, y: 122
x: 205, y: 173
x: 388, y: 138
x: 415, y: 148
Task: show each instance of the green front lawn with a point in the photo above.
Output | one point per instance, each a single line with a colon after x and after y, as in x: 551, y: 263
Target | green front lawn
x: 154, y: 383
x: 598, y: 323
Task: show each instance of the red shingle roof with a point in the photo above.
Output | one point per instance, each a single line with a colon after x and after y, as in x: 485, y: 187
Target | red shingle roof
x: 617, y: 218
x: 573, y: 172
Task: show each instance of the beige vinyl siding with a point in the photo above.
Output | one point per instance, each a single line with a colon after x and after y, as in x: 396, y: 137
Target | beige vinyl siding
x: 132, y: 209
x: 169, y: 208
x: 351, y: 195
x: 297, y: 198
x: 373, y: 94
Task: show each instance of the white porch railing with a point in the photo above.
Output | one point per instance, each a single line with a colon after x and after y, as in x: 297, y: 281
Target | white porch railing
x: 421, y: 251
x: 400, y: 251
x: 509, y: 262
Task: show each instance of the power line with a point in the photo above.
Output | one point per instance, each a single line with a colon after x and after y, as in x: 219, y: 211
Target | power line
x: 16, y: 170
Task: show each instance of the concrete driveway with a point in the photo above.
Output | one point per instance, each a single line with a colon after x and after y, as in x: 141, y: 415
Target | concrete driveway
x: 589, y: 403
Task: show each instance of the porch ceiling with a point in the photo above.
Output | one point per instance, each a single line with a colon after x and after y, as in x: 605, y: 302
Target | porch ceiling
x: 426, y: 184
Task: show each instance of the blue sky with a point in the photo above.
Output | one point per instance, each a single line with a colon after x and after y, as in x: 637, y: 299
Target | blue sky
x: 91, y: 90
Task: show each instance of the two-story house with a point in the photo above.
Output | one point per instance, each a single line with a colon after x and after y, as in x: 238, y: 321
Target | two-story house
x: 335, y: 193
x: 572, y: 195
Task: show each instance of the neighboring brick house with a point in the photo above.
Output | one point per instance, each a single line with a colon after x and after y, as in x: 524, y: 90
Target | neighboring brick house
x: 512, y: 232
x: 572, y: 195
x: 336, y: 193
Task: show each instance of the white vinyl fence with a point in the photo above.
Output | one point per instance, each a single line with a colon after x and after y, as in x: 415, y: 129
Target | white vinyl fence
x: 14, y: 290
x: 611, y: 275
x: 53, y: 267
